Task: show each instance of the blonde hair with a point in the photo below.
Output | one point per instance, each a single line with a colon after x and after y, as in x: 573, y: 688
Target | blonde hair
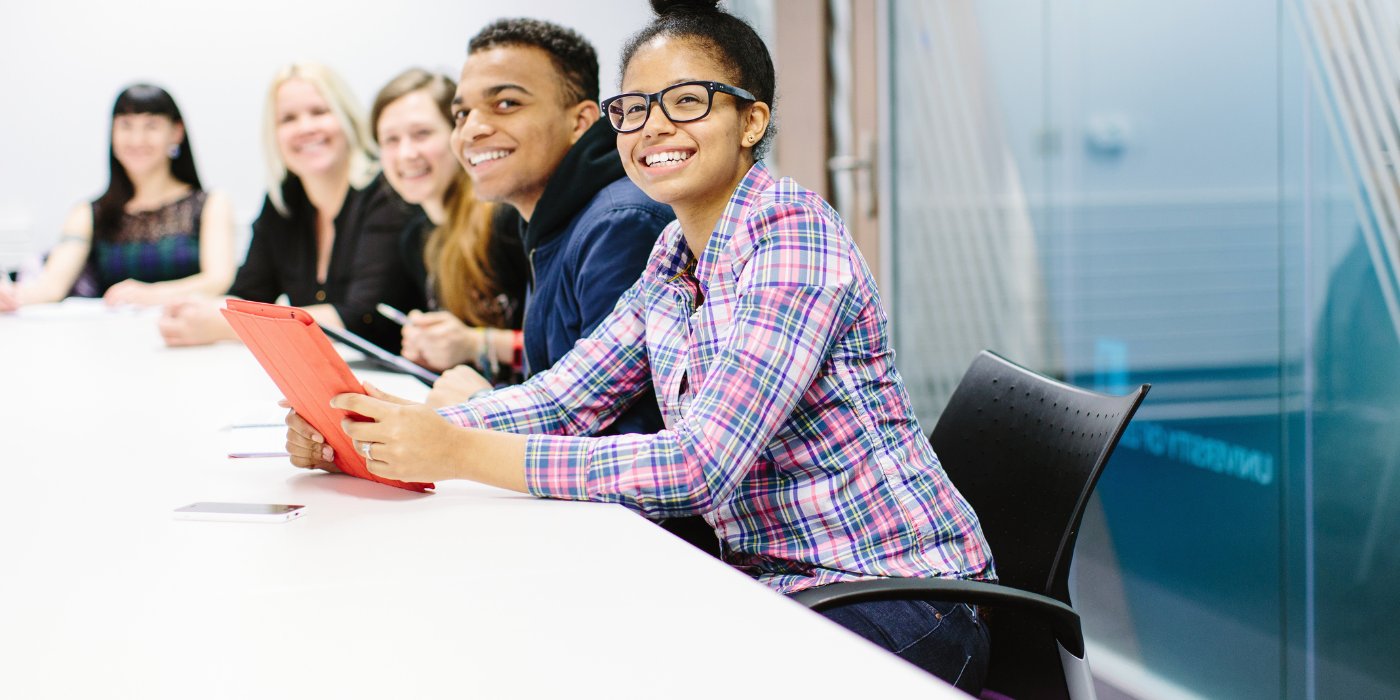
x: 458, y: 253
x: 363, y: 166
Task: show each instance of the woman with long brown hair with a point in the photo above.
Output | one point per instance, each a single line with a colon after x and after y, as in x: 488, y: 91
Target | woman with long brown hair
x: 465, y: 256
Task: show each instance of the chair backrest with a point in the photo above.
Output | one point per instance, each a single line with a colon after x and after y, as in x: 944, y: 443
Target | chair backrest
x: 1026, y: 451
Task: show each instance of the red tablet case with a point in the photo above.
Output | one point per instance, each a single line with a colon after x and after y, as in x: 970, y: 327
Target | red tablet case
x: 299, y: 358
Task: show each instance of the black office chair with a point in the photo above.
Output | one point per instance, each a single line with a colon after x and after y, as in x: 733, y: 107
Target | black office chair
x: 1026, y: 452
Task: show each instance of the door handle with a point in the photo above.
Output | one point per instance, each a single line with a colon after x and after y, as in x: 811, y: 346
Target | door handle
x: 862, y: 165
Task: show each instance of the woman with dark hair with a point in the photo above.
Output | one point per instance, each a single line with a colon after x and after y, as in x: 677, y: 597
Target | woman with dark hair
x: 788, y: 428
x: 155, y: 234
x: 327, y: 236
x: 465, y: 257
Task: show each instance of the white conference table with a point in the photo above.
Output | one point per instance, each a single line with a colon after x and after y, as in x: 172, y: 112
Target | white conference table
x: 376, y: 592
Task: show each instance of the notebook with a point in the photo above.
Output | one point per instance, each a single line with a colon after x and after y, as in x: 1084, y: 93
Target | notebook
x: 294, y: 351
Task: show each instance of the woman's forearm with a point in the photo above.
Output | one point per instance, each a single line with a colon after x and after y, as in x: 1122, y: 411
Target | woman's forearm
x: 493, y: 458
x: 205, y: 284
x: 503, y: 345
x: 61, y: 270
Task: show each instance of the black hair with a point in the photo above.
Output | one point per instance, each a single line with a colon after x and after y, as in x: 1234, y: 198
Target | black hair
x: 734, y: 43
x: 574, y: 58
x: 139, y: 99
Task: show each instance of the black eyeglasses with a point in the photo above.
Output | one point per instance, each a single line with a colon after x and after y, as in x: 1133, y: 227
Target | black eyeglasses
x: 682, y: 102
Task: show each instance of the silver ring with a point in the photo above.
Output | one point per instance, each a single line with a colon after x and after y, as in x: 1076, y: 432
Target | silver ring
x: 364, y: 449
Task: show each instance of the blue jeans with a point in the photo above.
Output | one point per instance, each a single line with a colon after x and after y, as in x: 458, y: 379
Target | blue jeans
x: 948, y: 640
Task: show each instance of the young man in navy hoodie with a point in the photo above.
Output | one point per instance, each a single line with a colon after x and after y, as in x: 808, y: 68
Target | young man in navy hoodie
x: 528, y: 132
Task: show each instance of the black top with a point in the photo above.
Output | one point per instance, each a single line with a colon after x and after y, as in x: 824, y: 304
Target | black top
x: 364, y: 266
x: 509, y: 268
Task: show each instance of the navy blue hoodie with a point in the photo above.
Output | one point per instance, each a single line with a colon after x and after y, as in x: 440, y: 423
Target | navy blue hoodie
x: 588, y: 241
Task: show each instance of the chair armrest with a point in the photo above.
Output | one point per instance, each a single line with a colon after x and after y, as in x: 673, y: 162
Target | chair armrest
x: 1064, y: 621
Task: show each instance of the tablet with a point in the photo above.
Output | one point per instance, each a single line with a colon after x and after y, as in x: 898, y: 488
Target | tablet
x: 381, y: 357
x: 298, y: 356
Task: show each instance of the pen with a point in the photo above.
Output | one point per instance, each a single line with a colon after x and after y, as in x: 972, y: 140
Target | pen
x: 392, y: 314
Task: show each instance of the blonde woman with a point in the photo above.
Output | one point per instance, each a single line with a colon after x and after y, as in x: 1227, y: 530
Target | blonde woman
x: 327, y: 234
x: 465, y: 256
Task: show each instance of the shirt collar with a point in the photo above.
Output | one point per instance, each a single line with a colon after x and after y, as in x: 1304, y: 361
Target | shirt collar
x: 757, y: 181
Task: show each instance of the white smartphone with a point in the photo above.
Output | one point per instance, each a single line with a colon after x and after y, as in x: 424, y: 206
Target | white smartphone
x: 241, y: 512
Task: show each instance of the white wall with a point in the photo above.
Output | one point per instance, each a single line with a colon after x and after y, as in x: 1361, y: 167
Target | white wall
x: 62, y: 63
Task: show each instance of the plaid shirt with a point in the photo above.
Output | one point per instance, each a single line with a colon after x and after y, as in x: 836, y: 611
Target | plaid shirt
x: 787, y: 427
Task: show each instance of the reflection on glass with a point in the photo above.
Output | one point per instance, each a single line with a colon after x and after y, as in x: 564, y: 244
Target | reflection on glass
x: 1193, y: 194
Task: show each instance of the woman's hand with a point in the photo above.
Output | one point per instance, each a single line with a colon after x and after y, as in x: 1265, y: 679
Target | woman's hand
x: 9, y: 296
x: 133, y: 292
x: 439, y: 341
x: 406, y: 441
x: 307, y: 448
x: 455, y: 386
x: 193, y: 322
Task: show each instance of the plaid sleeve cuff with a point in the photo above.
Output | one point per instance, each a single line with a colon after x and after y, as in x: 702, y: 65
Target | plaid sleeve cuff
x: 557, y: 466
x: 509, y: 409
x: 461, y: 415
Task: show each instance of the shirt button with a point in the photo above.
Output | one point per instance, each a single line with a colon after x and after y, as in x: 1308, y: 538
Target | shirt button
x: 369, y: 319
x: 320, y: 295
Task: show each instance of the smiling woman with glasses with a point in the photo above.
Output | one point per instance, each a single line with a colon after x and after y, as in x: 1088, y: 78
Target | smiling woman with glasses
x: 759, y: 329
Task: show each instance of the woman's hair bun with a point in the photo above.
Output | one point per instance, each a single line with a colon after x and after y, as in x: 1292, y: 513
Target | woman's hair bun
x: 676, y: 7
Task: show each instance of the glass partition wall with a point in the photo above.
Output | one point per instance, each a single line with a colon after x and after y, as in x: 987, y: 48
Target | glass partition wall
x: 1201, y: 195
